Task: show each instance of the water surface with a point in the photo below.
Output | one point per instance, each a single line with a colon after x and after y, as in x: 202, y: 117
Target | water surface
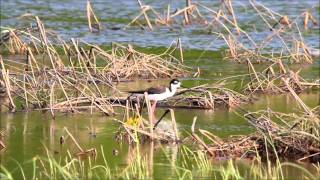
x: 28, y: 133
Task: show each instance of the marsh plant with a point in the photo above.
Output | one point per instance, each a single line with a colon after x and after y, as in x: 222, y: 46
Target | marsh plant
x: 195, y: 164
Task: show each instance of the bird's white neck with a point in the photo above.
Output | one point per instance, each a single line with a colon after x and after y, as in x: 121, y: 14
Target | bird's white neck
x: 172, y: 90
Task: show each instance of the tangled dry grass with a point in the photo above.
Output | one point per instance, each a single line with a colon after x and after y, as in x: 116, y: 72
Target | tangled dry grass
x: 295, y: 137
x: 57, y: 75
x: 273, y: 80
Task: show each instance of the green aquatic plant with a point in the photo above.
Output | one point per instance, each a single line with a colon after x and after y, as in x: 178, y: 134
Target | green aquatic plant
x: 194, y: 164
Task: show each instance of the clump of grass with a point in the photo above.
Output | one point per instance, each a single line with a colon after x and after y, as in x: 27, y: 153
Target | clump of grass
x: 125, y: 63
x: 194, y: 164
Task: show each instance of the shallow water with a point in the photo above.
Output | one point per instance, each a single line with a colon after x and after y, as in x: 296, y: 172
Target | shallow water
x: 68, y: 19
x: 28, y: 133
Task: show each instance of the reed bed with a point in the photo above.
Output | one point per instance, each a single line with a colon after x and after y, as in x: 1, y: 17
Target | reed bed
x: 71, y: 76
x: 293, y: 137
x: 206, y: 97
x: 278, y: 136
x: 241, y: 45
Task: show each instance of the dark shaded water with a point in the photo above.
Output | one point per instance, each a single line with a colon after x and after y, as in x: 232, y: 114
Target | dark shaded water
x: 28, y: 133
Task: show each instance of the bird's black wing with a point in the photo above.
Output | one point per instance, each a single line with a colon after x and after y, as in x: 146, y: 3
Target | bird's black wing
x: 152, y: 90
x: 136, y: 92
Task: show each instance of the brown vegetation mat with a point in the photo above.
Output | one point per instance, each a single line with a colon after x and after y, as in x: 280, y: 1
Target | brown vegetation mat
x: 206, y: 97
x: 73, y: 75
x: 200, y: 97
x: 293, y: 137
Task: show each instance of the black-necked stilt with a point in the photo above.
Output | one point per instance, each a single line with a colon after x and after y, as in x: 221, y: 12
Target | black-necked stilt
x: 159, y: 93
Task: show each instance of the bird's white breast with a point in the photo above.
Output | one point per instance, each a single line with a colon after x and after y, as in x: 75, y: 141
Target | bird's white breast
x: 162, y: 96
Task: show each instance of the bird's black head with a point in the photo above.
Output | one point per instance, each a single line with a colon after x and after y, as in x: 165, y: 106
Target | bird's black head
x: 174, y: 84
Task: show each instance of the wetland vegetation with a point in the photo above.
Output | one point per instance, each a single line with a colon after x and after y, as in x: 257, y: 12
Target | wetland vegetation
x: 249, y: 108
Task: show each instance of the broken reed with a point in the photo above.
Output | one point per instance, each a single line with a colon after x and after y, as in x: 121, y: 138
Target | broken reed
x: 91, y: 16
x: 74, y: 75
x: 282, y: 29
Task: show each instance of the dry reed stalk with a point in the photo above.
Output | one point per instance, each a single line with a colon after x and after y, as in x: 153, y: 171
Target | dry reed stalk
x: 144, y: 9
x: 308, y: 17
x: 16, y: 44
x: 5, y: 75
x: 174, y: 126
x: 180, y: 49
x: 90, y: 14
x: 25, y: 92
x: 35, y: 87
x: 52, y: 99
x: 265, y: 82
x: 73, y: 139
x: 213, y: 138
x: 228, y: 5
x: 168, y: 14
x: 2, y: 146
x: 32, y: 60
x: 254, y: 72
x: 301, y: 103
x: 107, y: 111
x: 196, y: 137
x: 150, y: 114
x: 144, y: 132
x: 187, y: 13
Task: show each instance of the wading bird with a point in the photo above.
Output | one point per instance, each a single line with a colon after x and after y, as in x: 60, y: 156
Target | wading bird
x: 159, y: 93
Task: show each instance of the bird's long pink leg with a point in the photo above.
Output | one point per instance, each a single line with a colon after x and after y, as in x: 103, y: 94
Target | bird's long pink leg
x: 153, y: 109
